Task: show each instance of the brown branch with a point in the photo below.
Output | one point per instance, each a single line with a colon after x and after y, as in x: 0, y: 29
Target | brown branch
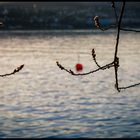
x: 14, y: 71
x: 116, y: 59
x: 94, y: 58
x: 107, y: 66
x: 98, y: 25
x: 129, y: 86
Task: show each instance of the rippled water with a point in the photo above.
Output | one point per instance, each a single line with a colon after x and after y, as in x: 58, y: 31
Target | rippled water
x: 43, y: 101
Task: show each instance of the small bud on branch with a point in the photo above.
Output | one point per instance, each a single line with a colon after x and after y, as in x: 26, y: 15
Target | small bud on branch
x: 14, y: 71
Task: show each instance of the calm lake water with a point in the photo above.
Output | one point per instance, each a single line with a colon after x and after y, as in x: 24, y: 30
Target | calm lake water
x: 44, y: 101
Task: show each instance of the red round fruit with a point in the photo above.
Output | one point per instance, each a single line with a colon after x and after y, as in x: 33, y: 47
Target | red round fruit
x: 79, y: 67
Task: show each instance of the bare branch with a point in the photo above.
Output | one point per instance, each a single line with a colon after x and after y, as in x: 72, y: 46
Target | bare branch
x: 129, y: 30
x: 115, y: 12
x: 107, y: 66
x: 116, y: 59
x: 94, y: 58
x: 129, y: 86
x: 98, y: 25
x: 15, y: 71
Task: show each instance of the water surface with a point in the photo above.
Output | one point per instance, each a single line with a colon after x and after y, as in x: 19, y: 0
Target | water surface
x: 43, y: 101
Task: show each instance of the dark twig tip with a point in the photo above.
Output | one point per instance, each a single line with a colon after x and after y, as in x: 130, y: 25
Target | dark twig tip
x: 71, y: 72
x: 93, y: 53
x: 19, y: 68
x: 14, y: 71
x: 60, y: 66
x: 96, y: 21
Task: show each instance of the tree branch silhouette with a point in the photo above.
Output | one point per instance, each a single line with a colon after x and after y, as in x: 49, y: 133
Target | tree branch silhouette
x: 116, y: 59
x: 14, y: 71
x: 94, y: 58
x: 129, y: 30
x: 99, y: 26
x: 129, y: 86
x: 86, y: 73
x: 115, y: 62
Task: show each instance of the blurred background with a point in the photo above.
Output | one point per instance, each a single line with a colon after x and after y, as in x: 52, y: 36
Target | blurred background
x: 64, y: 15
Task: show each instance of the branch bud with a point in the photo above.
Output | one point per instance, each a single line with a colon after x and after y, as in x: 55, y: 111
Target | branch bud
x: 96, y: 21
x: 93, y: 53
x: 60, y: 66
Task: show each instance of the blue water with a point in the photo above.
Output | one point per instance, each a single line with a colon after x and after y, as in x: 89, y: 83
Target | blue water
x: 42, y: 101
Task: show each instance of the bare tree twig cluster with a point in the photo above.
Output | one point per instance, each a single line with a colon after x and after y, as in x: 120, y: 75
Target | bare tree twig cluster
x: 115, y: 62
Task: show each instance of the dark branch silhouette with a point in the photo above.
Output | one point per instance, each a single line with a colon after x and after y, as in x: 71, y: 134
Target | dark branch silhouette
x: 14, y: 71
x: 94, y: 58
x: 107, y: 66
x: 129, y: 30
x: 116, y: 59
x: 115, y: 62
x: 99, y: 26
x: 129, y: 86
x: 115, y: 12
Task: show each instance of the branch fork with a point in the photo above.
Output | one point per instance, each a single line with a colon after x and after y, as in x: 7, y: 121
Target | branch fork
x: 115, y: 62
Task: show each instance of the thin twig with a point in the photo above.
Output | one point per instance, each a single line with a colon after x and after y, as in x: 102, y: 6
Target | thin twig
x: 129, y: 30
x: 94, y: 58
x: 98, y: 24
x: 14, y: 71
x: 115, y: 12
x: 129, y: 86
x: 86, y: 73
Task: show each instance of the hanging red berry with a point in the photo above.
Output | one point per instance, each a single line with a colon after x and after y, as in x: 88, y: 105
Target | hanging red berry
x: 79, y: 67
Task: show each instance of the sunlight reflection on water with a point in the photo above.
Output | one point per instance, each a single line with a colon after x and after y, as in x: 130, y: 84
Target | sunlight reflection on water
x: 43, y: 101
